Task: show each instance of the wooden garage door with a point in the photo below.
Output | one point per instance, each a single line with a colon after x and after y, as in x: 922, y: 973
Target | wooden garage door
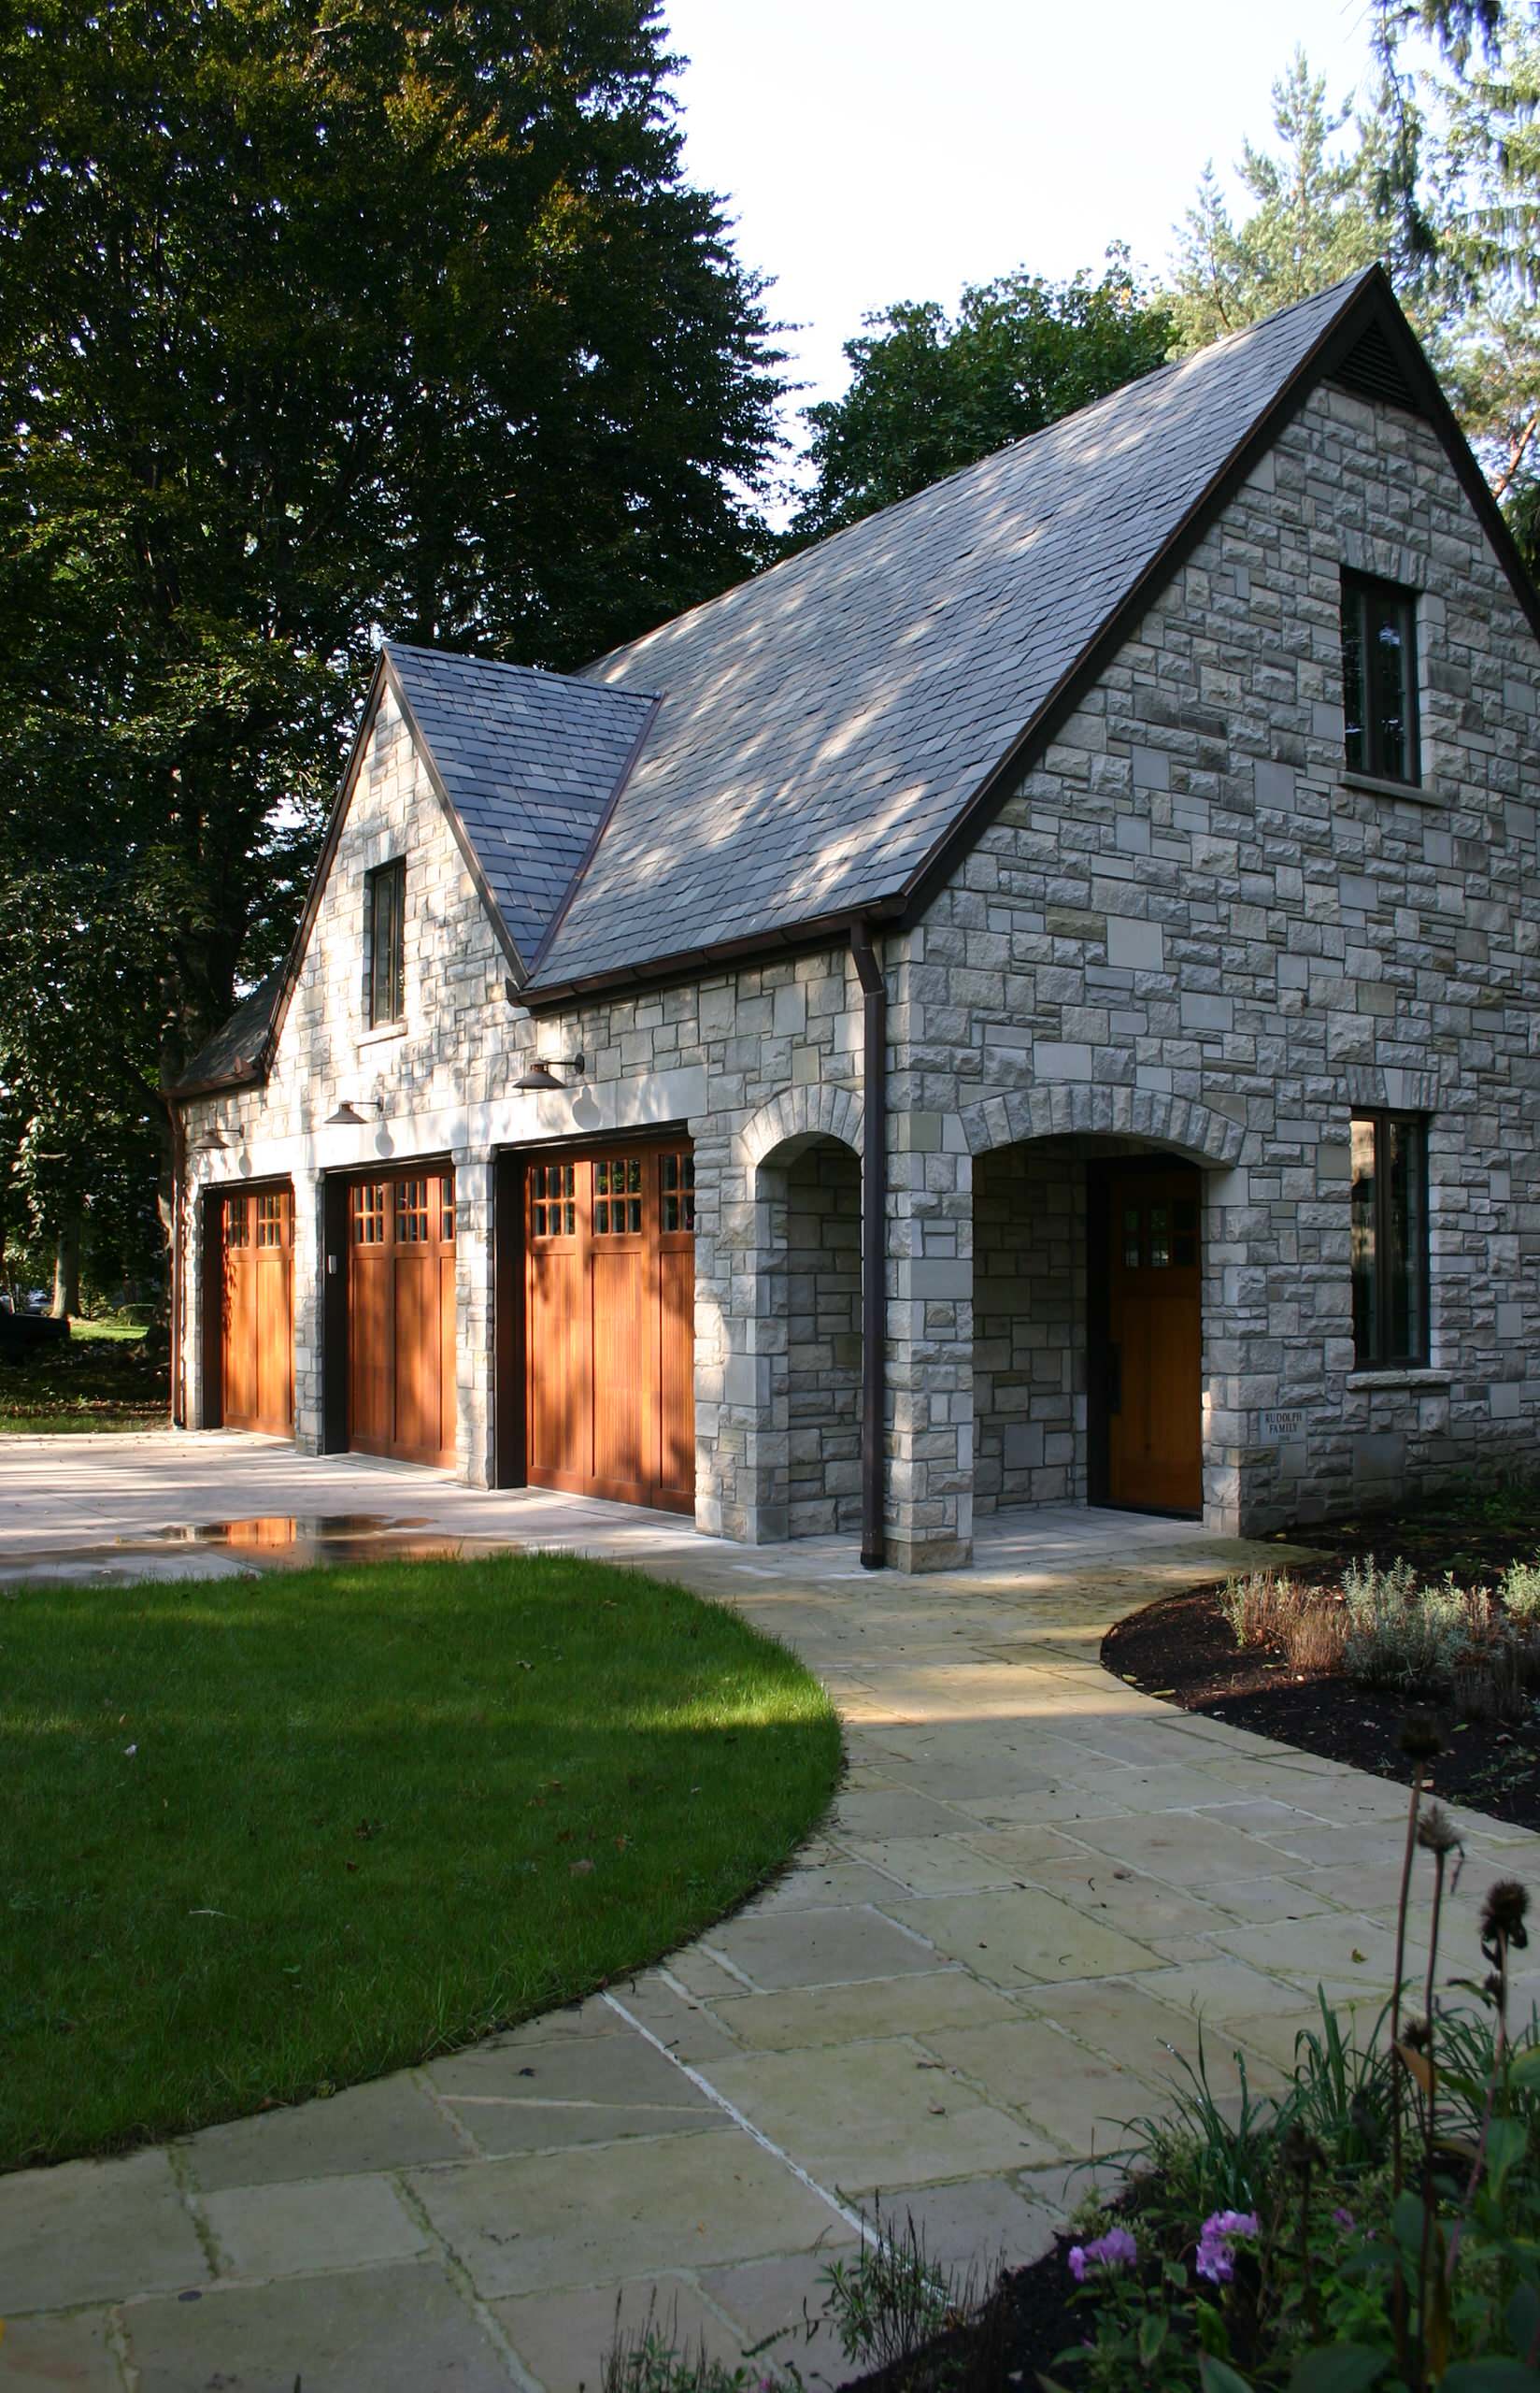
x: 401, y: 1374
x: 611, y: 1322
x: 257, y: 1341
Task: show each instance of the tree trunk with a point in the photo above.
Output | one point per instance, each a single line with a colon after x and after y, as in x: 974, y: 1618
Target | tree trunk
x: 66, y: 1272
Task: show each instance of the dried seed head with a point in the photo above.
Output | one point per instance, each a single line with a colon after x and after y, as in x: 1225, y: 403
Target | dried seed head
x: 1503, y: 1914
x: 1420, y: 1739
x: 1418, y: 2034
x: 1301, y: 2152
x: 1437, y: 1831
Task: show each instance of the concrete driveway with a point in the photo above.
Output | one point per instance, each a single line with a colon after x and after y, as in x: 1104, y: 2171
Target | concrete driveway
x: 1034, y: 1887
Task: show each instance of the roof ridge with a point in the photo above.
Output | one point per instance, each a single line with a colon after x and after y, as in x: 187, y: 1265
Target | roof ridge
x: 580, y: 681
x: 1170, y: 366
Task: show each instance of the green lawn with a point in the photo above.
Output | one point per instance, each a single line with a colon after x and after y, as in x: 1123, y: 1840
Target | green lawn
x: 266, y: 1837
x: 104, y: 1375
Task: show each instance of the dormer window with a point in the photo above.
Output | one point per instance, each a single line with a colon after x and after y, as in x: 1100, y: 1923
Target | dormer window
x: 385, y: 944
x: 1379, y: 679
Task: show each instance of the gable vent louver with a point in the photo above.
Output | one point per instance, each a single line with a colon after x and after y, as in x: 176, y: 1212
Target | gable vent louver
x: 1372, y: 370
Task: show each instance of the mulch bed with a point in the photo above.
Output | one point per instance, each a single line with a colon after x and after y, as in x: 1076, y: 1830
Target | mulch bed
x: 1183, y: 1649
x: 1027, y: 2322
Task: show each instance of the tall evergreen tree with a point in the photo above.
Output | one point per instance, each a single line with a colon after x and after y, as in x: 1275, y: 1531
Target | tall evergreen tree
x: 1314, y: 218
x: 929, y: 392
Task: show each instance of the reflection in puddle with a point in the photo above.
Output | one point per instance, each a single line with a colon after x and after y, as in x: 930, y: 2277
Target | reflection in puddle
x: 281, y: 1529
x: 277, y: 1540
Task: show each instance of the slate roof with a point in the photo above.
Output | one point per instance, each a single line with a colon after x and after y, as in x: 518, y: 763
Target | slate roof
x: 823, y: 725
x: 528, y: 761
x: 238, y: 1049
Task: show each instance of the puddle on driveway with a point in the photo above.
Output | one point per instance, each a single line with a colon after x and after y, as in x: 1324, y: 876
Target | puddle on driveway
x: 264, y: 1542
x: 281, y: 1528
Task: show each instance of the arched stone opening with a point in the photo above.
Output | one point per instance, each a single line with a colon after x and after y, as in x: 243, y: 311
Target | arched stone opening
x: 808, y: 1190
x: 1097, y: 1299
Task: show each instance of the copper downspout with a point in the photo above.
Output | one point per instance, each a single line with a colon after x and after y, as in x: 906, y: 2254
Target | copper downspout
x: 874, y: 1244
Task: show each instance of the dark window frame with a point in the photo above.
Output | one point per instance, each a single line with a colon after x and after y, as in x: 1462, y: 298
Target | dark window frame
x: 1381, y: 1350
x: 385, y: 944
x: 1367, y: 603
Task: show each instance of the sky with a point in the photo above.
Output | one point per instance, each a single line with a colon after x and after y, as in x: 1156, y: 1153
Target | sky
x: 883, y: 149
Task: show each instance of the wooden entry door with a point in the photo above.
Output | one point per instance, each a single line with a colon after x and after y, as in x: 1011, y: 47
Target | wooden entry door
x: 256, y: 1296
x: 1155, y: 1326
x: 609, y: 1323
x: 401, y: 1316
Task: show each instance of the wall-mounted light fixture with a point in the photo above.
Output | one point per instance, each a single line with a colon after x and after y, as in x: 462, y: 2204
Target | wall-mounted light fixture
x: 347, y: 1116
x: 541, y: 1070
x: 214, y: 1144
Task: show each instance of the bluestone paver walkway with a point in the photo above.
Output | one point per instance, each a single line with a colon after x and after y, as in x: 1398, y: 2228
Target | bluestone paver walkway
x: 1033, y: 1885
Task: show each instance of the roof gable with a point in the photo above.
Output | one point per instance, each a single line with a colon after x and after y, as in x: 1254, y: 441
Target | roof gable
x: 238, y: 1051
x: 527, y: 763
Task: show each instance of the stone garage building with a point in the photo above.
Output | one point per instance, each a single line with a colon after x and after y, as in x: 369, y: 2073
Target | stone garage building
x: 1033, y: 1000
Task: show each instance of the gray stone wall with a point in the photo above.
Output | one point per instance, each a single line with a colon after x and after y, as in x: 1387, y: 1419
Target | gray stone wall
x: 822, y: 1240
x: 1029, y: 1327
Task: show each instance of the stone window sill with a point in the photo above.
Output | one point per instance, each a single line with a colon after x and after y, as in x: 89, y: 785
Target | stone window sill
x: 383, y: 1036
x: 1416, y: 793
x: 1419, y: 1376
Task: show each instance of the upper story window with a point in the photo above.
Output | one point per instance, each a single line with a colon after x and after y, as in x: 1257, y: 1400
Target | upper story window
x: 385, y: 944
x: 1390, y: 1240
x: 1379, y: 678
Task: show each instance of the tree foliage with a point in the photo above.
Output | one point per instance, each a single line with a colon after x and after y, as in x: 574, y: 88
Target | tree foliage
x: 323, y: 317
x: 1439, y: 177
x: 1315, y: 218
x: 931, y: 393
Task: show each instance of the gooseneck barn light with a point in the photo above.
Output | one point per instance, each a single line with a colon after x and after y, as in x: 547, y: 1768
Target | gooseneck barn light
x: 541, y: 1070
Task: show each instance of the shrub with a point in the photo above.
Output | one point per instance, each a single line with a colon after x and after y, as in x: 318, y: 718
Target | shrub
x: 1264, y: 1610
x: 1399, y: 1634
x: 1522, y: 1591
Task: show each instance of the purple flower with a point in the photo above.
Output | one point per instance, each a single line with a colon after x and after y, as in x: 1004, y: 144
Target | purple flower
x: 1116, y: 2249
x: 1343, y: 2218
x: 1217, y: 2239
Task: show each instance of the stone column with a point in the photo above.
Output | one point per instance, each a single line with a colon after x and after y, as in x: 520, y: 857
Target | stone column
x: 929, y: 1511
x: 199, y: 1207
x: 309, y: 1308
x: 476, y: 1316
x: 742, y: 1444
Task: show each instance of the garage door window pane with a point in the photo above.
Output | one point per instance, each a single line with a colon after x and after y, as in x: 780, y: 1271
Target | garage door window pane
x: 272, y: 1218
x: 676, y: 1179
x: 617, y: 1195
x: 553, y: 1193
x: 411, y: 1211
x: 368, y: 1211
x: 237, y: 1228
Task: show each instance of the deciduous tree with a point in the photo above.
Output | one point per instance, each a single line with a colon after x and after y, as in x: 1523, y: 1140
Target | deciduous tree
x: 929, y: 392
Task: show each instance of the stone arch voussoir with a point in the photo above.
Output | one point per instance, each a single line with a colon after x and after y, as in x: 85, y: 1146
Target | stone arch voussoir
x: 1092, y: 1108
x: 798, y: 1113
